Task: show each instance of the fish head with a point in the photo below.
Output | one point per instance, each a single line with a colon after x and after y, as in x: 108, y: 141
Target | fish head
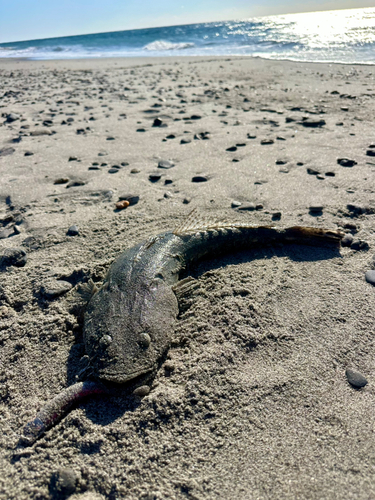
x: 127, y: 331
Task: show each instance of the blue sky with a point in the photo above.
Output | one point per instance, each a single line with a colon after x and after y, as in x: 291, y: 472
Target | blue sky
x: 32, y: 19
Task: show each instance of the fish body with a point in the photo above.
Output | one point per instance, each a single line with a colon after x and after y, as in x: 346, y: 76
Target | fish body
x: 130, y: 320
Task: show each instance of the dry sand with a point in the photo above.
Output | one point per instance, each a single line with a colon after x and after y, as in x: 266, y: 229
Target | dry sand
x: 252, y: 401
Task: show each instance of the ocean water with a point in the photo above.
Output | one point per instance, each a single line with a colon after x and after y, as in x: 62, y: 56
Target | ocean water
x: 346, y: 36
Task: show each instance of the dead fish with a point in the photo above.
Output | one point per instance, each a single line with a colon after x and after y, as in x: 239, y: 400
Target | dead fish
x: 129, y: 321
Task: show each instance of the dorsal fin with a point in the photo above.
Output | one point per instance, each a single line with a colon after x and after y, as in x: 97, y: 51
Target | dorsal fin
x: 195, y: 222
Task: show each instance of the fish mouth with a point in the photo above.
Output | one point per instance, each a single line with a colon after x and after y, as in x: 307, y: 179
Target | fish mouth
x: 122, y: 378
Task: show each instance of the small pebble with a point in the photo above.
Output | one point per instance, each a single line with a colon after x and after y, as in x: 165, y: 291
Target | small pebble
x: 142, y: 391
x: 316, y: 209
x: 347, y: 240
x: 61, y: 180
x: 355, y: 379
x: 110, y: 138
x: 306, y: 122
x: 232, y: 148
x: 247, y: 206
x: 360, y: 245
x: 312, y: 171
x: 154, y: 177
x: 236, y: 204
x: 76, y: 183
x: 113, y: 170
x: 165, y: 164
x: 120, y: 205
x: 199, y: 178
x: 28, y: 153
x: 346, y: 162
x: 157, y: 122
x: 276, y: 216
x: 55, y: 288
x: 13, y: 257
x: 72, y: 231
x: 267, y: 141
x: 64, y: 482
x: 12, y: 117
x: 185, y: 141
x: 370, y: 277
x: 370, y: 152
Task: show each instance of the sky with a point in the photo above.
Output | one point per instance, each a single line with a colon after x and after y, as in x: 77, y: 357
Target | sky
x: 35, y: 19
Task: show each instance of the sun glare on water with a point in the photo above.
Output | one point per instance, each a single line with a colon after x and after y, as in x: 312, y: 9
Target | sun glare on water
x: 322, y: 29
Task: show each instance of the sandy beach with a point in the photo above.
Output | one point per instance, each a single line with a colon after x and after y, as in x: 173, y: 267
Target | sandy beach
x: 252, y: 400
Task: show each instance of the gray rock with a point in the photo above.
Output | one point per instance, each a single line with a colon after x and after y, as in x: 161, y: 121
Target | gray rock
x: 113, y: 170
x: 72, y: 231
x: 232, y: 148
x: 316, y: 209
x: 13, y: 257
x: 346, y: 162
x: 165, y: 164
x: 355, y: 379
x: 55, y: 288
x: 370, y: 277
x: 154, y: 176
x: 306, y: 122
x: 370, y: 152
x: 12, y: 117
x: 64, y: 482
x: 267, y: 141
x: 236, y: 204
x: 247, y: 206
x: 347, y: 240
x: 185, y: 141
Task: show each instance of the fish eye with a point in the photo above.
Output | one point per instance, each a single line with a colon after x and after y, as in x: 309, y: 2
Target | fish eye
x: 144, y: 340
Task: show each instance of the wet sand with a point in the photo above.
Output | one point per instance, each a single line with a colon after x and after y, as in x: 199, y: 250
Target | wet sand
x: 252, y: 400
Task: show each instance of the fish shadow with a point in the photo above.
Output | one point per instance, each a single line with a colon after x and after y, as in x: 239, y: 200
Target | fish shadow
x: 295, y: 252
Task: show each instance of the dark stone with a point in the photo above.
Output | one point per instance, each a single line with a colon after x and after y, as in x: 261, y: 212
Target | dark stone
x: 185, y: 141
x: 12, y: 117
x: 347, y: 240
x: 61, y: 180
x: 131, y: 198
x: 73, y: 231
x: 370, y: 277
x: 171, y: 136
x: 241, y: 145
x: 281, y: 162
x: 330, y: 174
x: 55, y: 288
x: 267, y: 141
x: 113, y: 170
x: 289, y: 119
x: 157, y: 122
x: 232, y: 148
x: 307, y: 122
x: 360, y: 245
x: 81, y: 131
x: 168, y: 181
x: 202, y: 136
x: 165, y: 164
x: 355, y: 379
x: 110, y: 138
x: 28, y: 153
x: 316, y: 209
x: 199, y: 178
x: 16, y: 140
x: 370, y: 152
x: 312, y: 171
x: 346, y: 162
x: 13, y: 257
x: 48, y: 123
x: 75, y: 183
x: 73, y: 158
x: 248, y: 207
x: 154, y: 177
x: 195, y: 117
x: 141, y: 130
x: 276, y: 216
x: 251, y: 136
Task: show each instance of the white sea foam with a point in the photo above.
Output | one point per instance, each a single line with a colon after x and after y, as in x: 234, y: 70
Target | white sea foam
x: 160, y: 45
